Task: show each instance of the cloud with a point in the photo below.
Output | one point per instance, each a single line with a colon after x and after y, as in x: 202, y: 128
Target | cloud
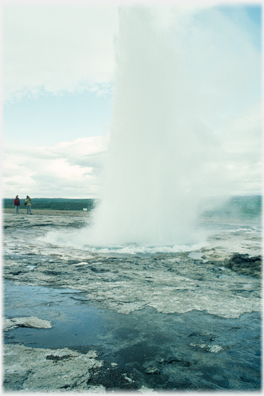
x: 68, y: 48
x: 241, y: 137
x: 68, y: 169
x: 57, y: 48
x: 74, y: 169
x: 240, y: 142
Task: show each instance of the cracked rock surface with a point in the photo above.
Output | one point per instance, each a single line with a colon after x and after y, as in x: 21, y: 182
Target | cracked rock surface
x: 31, y: 369
x: 84, y: 319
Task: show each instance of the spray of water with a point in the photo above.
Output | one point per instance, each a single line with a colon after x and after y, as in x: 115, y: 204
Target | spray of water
x: 172, y: 84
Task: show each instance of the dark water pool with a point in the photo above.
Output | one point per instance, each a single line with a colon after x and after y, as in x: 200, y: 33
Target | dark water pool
x: 191, y: 351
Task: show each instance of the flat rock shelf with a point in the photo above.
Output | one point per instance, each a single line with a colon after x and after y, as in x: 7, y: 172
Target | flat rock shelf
x: 78, y: 319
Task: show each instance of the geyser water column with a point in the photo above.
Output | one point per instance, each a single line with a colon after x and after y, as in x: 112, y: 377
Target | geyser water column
x: 162, y: 159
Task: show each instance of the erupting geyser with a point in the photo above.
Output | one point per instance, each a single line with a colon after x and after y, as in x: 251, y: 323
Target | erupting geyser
x: 172, y: 84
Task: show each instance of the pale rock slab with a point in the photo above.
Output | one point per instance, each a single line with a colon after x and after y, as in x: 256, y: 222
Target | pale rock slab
x: 28, y: 321
x: 37, y: 369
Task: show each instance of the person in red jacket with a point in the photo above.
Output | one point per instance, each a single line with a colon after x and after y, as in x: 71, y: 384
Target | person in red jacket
x: 17, y: 204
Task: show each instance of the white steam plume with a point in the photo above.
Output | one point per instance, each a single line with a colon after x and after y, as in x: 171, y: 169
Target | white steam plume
x: 175, y: 84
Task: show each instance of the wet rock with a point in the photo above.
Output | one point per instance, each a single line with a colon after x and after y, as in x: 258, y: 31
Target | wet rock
x: 171, y: 360
x: 56, y: 358
x: 98, y: 269
x: 30, y: 321
x: 15, y: 273
x: 169, y: 283
x: 127, y: 284
x: 203, y: 341
x: 48, y: 370
x: 145, y: 389
x: 44, y: 220
x: 245, y: 265
x: 52, y: 272
x: 202, y: 336
x: 152, y: 370
x: 215, y: 348
x: 114, y: 379
x: 157, y: 285
x: 207, y: 347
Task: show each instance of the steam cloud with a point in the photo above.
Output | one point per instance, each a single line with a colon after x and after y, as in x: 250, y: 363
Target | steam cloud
x: 176, y: 83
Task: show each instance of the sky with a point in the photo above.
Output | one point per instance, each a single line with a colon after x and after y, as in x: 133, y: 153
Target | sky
x: 58, y: 84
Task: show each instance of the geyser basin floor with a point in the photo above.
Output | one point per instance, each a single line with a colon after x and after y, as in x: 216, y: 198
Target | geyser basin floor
x: 193, y: 350
x: 157, y: 321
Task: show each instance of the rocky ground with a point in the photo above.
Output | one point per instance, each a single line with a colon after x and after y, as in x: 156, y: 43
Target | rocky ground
x: 245, y: 265
x: 62, y: 369
x: 45, y: 212
x: 76, y: 320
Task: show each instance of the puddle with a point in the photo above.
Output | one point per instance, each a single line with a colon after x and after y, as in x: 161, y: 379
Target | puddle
x: 197, y: 256
x: 74, y: 320
x: 152, y: 348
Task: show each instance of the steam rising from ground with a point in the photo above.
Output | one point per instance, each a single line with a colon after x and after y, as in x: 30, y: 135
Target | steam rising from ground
x: 178, y: 79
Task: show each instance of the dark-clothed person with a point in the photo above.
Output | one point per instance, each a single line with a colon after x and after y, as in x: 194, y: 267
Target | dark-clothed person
x: 17, y: 204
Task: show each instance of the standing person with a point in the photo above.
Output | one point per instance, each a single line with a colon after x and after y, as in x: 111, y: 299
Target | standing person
x: 17, y: 204
x: 28, y: 203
